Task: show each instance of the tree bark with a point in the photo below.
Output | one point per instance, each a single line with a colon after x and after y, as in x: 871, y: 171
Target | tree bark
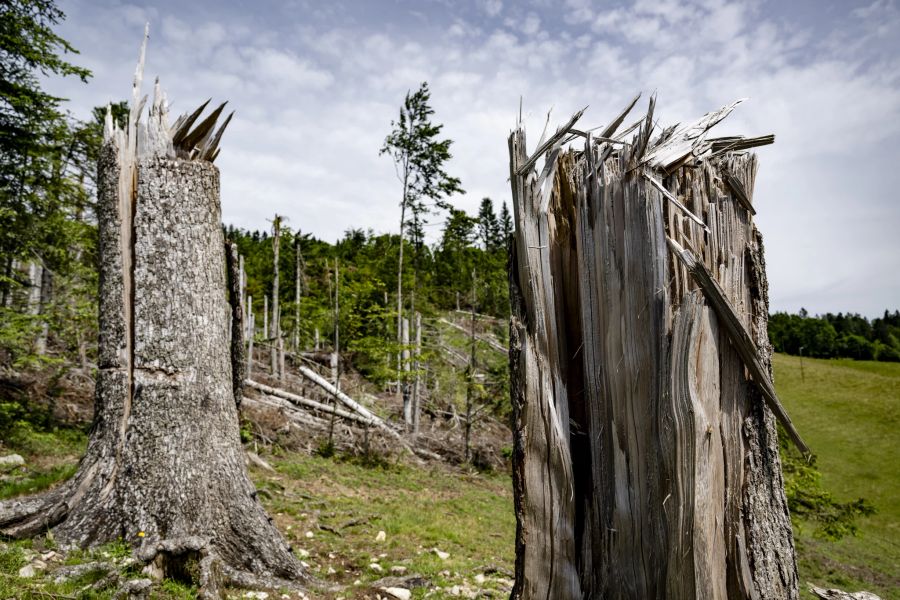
x: 164, y: 469
x: 645, y: 459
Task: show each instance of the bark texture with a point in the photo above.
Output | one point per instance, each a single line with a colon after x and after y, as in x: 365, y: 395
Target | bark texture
x: 645, y: 458
x: 164, y: 469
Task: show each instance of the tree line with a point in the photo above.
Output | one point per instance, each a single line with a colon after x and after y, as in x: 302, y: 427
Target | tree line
x: 839, y: 335
x: 471, y: 247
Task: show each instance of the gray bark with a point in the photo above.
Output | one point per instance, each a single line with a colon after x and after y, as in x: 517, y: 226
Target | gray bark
x: 164, y: 469
x: 645, y: 459
x: 234, y: 269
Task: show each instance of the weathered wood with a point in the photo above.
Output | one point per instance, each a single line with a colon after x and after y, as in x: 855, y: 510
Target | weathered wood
x: 351, y: 403
x: 740, y: 337
x: 301, y: 401
x: 645, y: 460
x: 164, y: 469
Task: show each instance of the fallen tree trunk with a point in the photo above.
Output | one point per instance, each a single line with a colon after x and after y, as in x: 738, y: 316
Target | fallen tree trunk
x: 645, y: 459
x: 353, y: 405
x: 310, y: 403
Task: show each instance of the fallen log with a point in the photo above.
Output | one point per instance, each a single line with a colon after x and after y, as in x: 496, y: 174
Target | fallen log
x: 367, y: 416
x: 295, y: 399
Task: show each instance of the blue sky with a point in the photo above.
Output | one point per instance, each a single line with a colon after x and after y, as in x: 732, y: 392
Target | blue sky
x: 316, y: 84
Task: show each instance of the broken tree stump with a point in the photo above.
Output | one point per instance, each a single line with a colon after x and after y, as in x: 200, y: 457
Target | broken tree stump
x: 164, y: 468
x: 645, y: 457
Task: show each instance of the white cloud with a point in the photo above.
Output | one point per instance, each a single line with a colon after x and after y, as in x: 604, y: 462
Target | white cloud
x: 315, y: 93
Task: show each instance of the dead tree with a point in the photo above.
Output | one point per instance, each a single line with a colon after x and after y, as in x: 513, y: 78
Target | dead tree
x: 645, y: 449
x: 164, y: 468
x: 276, y: 350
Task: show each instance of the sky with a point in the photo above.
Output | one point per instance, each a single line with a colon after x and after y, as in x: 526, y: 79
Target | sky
x: 315, y: 86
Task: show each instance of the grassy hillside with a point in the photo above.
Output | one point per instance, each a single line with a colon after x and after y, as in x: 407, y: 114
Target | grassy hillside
x: 332, y: 509
x: 849, y: 412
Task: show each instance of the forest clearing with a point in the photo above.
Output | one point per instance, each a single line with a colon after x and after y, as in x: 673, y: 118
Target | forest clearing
x: 347, y: 502
x: 221, y: 377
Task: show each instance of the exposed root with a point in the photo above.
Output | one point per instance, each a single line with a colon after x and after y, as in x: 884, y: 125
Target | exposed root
x: 27, y: 517
x: 193, y: 560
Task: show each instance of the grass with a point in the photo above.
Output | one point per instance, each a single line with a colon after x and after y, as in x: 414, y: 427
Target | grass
x: 332, y: 509
x: 848, y: 412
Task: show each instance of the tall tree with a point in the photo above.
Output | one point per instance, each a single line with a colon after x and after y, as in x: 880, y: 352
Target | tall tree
x: 488, y: 226
x: 419, y: 157
x: 506, y: 225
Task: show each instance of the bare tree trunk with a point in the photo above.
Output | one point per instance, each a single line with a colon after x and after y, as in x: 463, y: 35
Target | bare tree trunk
x: 164, y: 468
x: 470, y: 377
x: 45, y: 299
x: 277, y: 347
x: 645, y: 458
x: 404, y: 382
x: 266, y: 319
x: 416, y: 392
x: 235, y: 280
x: 298, y: 289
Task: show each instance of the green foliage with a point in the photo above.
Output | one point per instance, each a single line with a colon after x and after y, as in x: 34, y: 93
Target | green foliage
x: 807, y: 499
x: 419, y: 157
x: 837, y: 336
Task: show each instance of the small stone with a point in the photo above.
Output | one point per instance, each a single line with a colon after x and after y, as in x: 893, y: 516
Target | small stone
x: 397, y: 592
x: 357, y: 582
x: 441, y: 554
x: 309, y: 534
x: 398, y: 569
x: 376, y: 567
x: 479, y: 579
x: 39, y: 565
x: 305, y: 564
x: 26, y: 571
x: 382, y: 555
x: 302, y: 553
x: 331, y: 570
x: 51, y: 555
x: 381, y: 536
x: 454, y: 591
x: 10, y: 462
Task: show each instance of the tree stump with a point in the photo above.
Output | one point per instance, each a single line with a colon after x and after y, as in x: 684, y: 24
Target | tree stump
x: 164, y: 469
x: 645, y: 457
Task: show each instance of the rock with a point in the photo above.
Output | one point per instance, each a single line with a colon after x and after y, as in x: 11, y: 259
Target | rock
x: 39, y: 565
x: 399, y: 593
x: 479, y: 579
x: 835, y: 594
x: 309, y: 534
x: 331, y: 570
x: 381, y: 536
x: 376, y: 567
x: 302, y: 553
x: 398, y: 570
x: 134, y: 589
x: 26, y: 571
x: 10, y: 462
x: 258, y: 595
x: 441, y: 554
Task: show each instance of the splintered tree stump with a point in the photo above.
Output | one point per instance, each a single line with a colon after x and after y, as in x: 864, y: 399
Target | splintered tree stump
x: 645, y: 457
x: 164, y: 468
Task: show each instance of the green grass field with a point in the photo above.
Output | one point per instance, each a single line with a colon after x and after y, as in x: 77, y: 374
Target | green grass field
x: 849, y: 412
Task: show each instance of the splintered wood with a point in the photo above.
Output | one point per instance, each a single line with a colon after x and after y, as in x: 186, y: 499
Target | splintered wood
x: 646, y: 454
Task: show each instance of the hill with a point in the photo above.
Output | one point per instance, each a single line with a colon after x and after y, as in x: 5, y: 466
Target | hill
x: 849, y: 412
x: 333, y: 508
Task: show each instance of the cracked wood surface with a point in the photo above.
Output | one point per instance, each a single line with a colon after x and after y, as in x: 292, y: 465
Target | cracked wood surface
x: 645, y: 455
